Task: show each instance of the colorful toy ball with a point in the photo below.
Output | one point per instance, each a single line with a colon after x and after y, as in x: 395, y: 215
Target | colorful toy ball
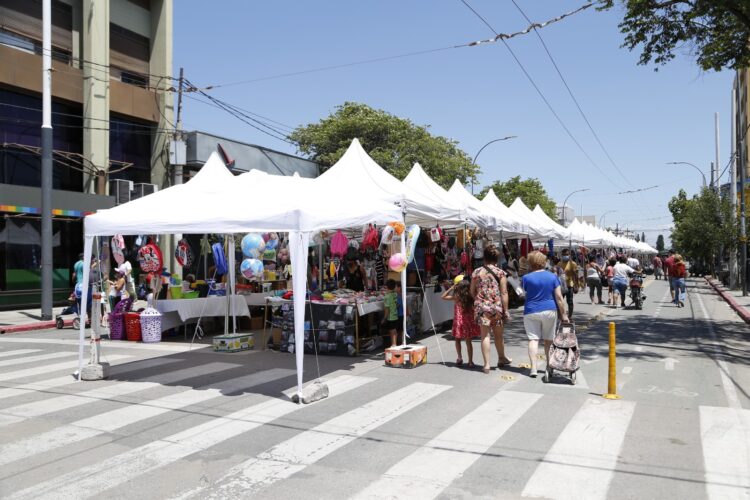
x: 397, y: 262
x: 253, y: 245
x: 252, y: 269
x: 272, y: 242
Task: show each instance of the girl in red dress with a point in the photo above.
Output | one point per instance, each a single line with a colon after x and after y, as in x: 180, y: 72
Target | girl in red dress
x: 464, y: 326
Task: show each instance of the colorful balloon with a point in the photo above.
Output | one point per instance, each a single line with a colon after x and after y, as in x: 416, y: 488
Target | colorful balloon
x: 252, y: 245
x: 150, y: 258
x: 252, y: 269
x: 398, y: 227
x: 183, y: 253
x: 411, y: 242
x: 397, y: 262
x: 387, y: 237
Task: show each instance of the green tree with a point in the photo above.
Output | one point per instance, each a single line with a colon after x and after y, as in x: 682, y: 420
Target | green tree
x: 531, y: 191
x: 394, y: 143
x: 660, y: 243
x: 716, y: 32
x: 702, y: 225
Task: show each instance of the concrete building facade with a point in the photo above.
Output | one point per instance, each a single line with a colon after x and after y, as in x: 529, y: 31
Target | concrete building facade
x: 112, y: 93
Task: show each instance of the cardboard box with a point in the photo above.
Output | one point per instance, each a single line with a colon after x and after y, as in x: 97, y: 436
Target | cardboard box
x: 234, y: 342
x: 276, y: 336
x: 256, y: 323
x: 408, y: 356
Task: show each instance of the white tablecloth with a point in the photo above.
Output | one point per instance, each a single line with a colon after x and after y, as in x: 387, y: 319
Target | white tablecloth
x: 177, y: 312
x: 257, y: 299
x: 442, y: 310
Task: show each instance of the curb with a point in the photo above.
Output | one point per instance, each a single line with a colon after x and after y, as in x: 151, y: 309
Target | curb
x: 743, y: 313
x: 27, y: 327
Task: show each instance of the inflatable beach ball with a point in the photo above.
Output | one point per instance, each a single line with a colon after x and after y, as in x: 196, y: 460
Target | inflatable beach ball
x: 251, y: 269
x: 253, y: 245
x: 397, y: 262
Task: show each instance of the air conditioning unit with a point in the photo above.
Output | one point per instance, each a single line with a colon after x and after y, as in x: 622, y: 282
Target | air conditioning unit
x: 143, y: 189
x: 120, y: 189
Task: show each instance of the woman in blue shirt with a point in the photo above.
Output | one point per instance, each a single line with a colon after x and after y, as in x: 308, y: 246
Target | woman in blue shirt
x: 544, y: 303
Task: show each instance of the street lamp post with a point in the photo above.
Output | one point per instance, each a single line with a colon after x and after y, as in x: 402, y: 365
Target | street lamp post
x: 694, y: 166
x: 566, y: 201
x: 601, y: 218
x: 474, y: 161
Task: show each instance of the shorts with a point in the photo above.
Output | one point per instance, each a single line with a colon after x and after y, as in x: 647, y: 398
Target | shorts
x: 490, y: 319
x: 540, y: 324
x: 390, y: 325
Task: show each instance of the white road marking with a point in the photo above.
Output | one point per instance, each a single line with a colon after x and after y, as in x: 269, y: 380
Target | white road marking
x: 730, y: 391
x: 40, y: 370
x: 669, y: 363
x: 581, y: 463
x: 293, y: 455
x: 32, y: 359
x: 106, y: 344
x: 91, y: 480
x: 725, y: 435
x: 639, y: 348
x: 627, y: 370
x: 116, y: 371
x: 116, y: 419
x: 17, y: 352
x: 38, y: 408
x: 430, y: 469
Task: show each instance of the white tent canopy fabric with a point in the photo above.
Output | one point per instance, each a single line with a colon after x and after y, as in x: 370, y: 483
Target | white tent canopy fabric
x: 515, y: 225
x: 561, y: 231
x: 542, y: 228
x: 214, y: 201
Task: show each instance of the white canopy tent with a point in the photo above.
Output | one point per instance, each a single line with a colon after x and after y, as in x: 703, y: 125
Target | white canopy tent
x: 519, y: 226
x: 454, y: 212
x: 213, y: 201
x: 542, y: 228
x: 561, y: 230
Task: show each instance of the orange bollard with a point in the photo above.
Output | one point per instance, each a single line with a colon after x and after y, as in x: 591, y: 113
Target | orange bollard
x: 612, y: 379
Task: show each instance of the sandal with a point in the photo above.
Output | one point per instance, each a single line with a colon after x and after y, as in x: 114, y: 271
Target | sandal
x: 503, y: 362
x: 459, y: 362
x: 486, y: 370
x: 471, y: 365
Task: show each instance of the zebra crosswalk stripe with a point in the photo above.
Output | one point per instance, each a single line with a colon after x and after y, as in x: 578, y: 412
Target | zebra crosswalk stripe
x: 581, y: 462
x: 17, y: 352
x: 44, y: 369
x: 38, y: 408
x: 725, y: 434
x: 91, y: 480
x: 116, y: 419
x: 430, y: 469
x: 52, y: 383
x: 293, y: 455
x: 33, y: 359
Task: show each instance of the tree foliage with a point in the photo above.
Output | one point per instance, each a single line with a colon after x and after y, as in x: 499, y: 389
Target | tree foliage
x: 394, y: 143
x: 531, y: 191
x: 702, y: 224
x: 660, y: 243
x: 716, y: 32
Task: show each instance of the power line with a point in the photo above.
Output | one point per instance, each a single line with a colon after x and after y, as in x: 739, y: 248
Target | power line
x: 541, y: 94
x: 59, y: 113
x: 572, y: 96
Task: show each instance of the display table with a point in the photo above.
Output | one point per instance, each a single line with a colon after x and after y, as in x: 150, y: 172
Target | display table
x: 441, y: 310
x: 180, y: 311
x: 257, y: 299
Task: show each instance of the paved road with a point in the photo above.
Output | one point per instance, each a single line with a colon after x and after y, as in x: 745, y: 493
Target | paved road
x: 172, y: 423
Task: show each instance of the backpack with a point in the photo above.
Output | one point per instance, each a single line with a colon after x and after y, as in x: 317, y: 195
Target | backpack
x: 564, y: 354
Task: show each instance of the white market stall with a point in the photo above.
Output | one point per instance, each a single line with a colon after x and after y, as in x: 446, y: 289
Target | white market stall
x: 214, y: 202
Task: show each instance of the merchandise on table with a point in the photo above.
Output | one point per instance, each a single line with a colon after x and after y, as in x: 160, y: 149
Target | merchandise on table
x: 234, y: 342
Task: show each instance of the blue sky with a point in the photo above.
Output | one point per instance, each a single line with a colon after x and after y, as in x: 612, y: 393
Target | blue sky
x: 475, y: 94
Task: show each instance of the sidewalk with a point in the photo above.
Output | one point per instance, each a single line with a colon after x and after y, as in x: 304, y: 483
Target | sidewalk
x: 24, y: 320
x: 734, y: 298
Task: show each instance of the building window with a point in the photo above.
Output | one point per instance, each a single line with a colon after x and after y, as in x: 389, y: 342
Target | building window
x: 22, y: 24
x: 20, y: 128
x: 129, y: 53
x: 130, y: 142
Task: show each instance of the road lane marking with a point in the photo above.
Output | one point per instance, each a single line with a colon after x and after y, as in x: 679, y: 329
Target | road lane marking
x: 91, y: 480
x: 725, y: 436
x: 669, y: 364
x: 730, y: 391
x: 43, y: 369
x: 294, y: 454
x: 116, y: 419
x: 115, y: 371
x: 638, y: 348
x: 33, y: 359
x: 23, y: 412
x: 433, y: 467
x: 627, y: 370
x: 581, y: 463
x: 17, y: 352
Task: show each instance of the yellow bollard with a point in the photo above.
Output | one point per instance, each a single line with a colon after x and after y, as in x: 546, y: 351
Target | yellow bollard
x: 612, y: 382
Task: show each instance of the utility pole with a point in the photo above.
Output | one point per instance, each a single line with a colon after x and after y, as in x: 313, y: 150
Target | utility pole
x: 743, y: 231
x: 177, y: 153
x: 733, y: 270
x: 46, y: 160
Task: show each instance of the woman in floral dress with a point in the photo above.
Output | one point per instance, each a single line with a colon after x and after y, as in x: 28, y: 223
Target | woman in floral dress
x: 490, y: 292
